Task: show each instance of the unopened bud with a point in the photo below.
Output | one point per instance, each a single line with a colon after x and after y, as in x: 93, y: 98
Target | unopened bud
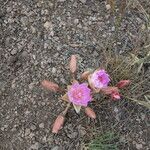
x: 73, y: 64
x: 58, y: 124
x: 50, y: 85
x: 89, y: 111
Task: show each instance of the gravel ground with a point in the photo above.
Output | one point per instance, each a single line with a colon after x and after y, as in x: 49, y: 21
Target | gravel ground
x: 37, y: 38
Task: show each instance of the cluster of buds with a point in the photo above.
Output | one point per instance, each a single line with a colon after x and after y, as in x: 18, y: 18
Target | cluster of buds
x: 79, y: 94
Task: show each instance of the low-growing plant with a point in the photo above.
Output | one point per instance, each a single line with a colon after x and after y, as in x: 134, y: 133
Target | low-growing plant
x: 81, y: 92
x: 106, y: 141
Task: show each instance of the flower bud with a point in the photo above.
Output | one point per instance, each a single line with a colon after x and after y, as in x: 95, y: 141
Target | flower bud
x: 58, y: 124
x: 50, y: 85
x: 89, y: 111
x: 115, y: 95
x: 123, y: 83
x: 85, y: 75
x: 108, y: 90
x: 73, y: 64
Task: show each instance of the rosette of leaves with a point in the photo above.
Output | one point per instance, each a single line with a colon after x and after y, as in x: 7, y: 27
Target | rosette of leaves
x: 79, y: 95
x: 71, y: 95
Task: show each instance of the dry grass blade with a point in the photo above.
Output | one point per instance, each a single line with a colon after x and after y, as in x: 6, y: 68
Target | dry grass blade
x: 112, y: 4
x: 143, y: 103
x: 147, y: 98
x: 137, y: 4
x: 122, y: 7
x: 140, y: 61
x: 65, y: 98
x: 106, y: 141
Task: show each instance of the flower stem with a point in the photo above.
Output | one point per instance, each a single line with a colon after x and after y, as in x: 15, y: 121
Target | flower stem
x: 66, y: 109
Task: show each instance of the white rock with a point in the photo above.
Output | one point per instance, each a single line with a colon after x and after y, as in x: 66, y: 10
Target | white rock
x: 76, y: 21
x: 61, y: 0
x: 108, y: 7
x: 139, y: 146
x: 33, y: 127
x: 33, y: 29
x: 83, y: 1
x: 35, y: 146
x: 13, y: 52
x: 55, y: 148
x: 32, y: 135
x: 41, y: 125
x: 48, y: 25
x: 27, y: 132
x: 53, y: 70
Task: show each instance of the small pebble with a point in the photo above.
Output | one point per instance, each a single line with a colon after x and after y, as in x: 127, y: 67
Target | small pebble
x: 83, y: 1
x: 41, y: 125
x: 48, y: 25
x: 139, y: 146
x: 13, y: 52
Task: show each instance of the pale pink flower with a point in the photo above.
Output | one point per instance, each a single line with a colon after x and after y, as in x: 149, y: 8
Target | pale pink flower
x: 100, y: 79
x: 79, y: 94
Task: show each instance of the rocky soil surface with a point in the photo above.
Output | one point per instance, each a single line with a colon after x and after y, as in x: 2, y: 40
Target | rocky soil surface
x: 37, y: 38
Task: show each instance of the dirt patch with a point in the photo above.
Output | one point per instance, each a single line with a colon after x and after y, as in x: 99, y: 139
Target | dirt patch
x: 36, y: 41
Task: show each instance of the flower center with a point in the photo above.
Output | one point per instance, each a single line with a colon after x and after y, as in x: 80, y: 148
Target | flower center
x: 100, y: 78
x: 77, y: 94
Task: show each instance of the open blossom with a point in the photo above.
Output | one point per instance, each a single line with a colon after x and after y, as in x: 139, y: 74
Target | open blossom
x: 100, y: 79
x: 79, y: 94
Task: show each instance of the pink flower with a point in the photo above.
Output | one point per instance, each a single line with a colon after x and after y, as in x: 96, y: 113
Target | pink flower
x: 79, y: 94
x: 100, y: 79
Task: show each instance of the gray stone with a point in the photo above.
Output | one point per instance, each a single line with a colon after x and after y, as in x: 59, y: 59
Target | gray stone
x: 13, y: 52
x: 72, y: 135
x: 41, y: 125
x: 24, y: 21
x: 27, y: 132
x: 35, y: 146
x: 139, y: 146
x: 48, y: 25
x: 61, y: 0
x: 33, y: 127
x: 54, y: 70
x: 83, y: 1
x: 55, y: 148
x: 76, y: 21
